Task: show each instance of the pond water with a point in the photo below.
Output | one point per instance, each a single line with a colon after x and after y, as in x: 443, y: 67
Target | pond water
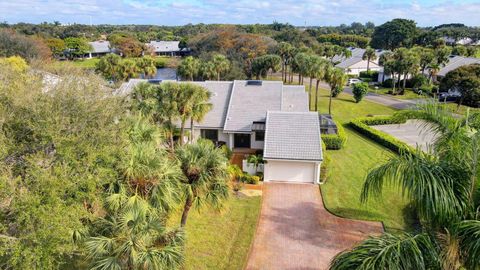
x: 163, y: 74
x: 166, y: 74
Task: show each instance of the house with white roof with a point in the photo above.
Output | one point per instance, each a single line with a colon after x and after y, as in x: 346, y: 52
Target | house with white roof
x: 355, y: 64
x: 168, y: 48
x: 264, y: 116
x: 454, y: 62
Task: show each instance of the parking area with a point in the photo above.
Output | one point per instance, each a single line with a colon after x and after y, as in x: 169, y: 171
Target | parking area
x: 413, y: 133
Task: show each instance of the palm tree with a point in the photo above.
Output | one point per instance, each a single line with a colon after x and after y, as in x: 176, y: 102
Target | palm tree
x: 132, y: 237
x: 128, y: 69
x: 205, y: 175
x: 383, y: 59
x: 109, y: 65
x: 208, y: 70
x: 147, y: 66
x: 132, y: 233
x: 433, y: 70
x: 200, y: 107
x: 337, y: 79
x: 189, y: 68
x: 323, y: 65
x: 256, y: 160
x: 221, y: 64
x: 369, y: 55
x: 191, y: 99
x: 443, y: 187
x: 285, y: 50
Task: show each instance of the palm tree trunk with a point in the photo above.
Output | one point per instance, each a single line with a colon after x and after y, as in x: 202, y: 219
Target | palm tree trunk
x: 191, y: 129
x: 182, y: 130
x: 393, y: 83
x: 218, y: 76
x: 186, y: 209
x: 404, y: 81
x: 330, y: 103
x: 316, y: 95
x: 310, y: 92
x: 299, y: 78
x: 368, y: 64
x: 283, y: 71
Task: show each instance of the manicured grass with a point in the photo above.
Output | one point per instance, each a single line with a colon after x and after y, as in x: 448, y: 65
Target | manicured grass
x: 408, y: 94
x: 221, y: 240
x: 349, y: 166
x: 462, y: 110
x: 86, y: 63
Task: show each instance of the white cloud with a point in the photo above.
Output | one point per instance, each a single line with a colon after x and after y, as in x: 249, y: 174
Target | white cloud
x: 169, y: 12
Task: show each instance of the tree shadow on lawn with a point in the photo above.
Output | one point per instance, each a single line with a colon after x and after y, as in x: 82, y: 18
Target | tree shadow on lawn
x: 345, y: 99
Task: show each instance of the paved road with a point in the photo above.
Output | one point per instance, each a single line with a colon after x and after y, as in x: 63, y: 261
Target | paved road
x: 296, y: 232
x: 400, y: 104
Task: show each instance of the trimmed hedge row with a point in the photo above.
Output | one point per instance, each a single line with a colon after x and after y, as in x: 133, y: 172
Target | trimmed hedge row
x: 362, y: 125
x: 335, y: 141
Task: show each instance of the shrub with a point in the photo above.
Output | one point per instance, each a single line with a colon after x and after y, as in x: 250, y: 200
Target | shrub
x: 325, y: 163
x: 160, y: 63
x: 335, y: 141
x: 250, y: 179
x: 227, y: 151
x: 359, y: 91
x: 417, y: 81
x: 362, y: 125
x: 387, y: 83
x: 337, y: 91
x: 371, y: 74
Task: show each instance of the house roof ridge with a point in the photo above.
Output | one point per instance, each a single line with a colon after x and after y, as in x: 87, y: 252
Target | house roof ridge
x: 229, y: 104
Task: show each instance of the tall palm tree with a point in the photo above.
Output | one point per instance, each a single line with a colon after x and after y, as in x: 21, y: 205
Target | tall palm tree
x: 221, y: 64
x: 320, y: 73
x: 132, y: 233
x: 369, y: 55
x: 443, y: 186
x: 191, y: 100
x: 337, y: 79
x: 109, y: 65
x: 189, y: 68
x: 201, y: 106
x: 285, y: 50
x: 205, y: 175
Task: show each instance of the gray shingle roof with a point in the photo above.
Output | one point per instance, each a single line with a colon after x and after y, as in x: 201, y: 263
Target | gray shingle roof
x: 250, y: 103
x: 294, y: 98
x: 101, y: 46
x: 164, y: 46
x: 215, y: 118
x: 293, y: 136
x: 456, y: 62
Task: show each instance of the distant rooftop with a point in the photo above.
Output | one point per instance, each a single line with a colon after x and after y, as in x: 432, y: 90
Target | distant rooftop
x: 164, y: 46
x: 100, y: 46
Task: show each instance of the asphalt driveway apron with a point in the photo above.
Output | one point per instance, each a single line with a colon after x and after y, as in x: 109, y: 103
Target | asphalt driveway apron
x: 296, y: 232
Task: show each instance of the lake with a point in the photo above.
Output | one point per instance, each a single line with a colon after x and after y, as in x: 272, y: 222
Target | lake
x: 166, y: 74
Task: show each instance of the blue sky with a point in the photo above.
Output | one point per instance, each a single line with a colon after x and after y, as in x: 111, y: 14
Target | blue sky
x: 297, y: 12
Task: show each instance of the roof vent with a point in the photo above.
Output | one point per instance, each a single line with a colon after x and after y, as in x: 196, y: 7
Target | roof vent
x: 254, y: 82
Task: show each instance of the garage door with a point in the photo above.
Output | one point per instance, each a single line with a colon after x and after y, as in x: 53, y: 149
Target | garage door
x: 290, y: 171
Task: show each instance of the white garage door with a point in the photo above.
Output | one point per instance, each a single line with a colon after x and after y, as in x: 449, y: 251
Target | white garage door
x: 290, y: 171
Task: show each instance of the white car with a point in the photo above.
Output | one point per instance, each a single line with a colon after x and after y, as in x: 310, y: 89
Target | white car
x: 353, y: 81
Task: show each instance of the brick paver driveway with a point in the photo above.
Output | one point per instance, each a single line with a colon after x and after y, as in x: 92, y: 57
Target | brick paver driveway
x: 296, y: 232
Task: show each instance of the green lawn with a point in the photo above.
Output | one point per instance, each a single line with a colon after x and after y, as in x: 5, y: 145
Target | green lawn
x: 348, y: 167
x: 221, y: 240
x: 86, y: 63
x: 409, y: 94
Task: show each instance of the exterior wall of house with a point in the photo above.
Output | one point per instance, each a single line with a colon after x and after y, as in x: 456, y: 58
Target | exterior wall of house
x: 254, y: 144
x: 292, y: 171
x: 361, y: 66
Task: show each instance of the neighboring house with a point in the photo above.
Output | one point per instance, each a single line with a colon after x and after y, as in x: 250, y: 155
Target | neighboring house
x: 99, y: 48
x: 168, y: 48
x: 263, y: 115
x: 355, y: 64
x: 455, y: 62
x: 461, y: 41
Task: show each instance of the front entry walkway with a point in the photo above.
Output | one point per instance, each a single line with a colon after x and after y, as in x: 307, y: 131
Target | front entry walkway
x: 296, y: 232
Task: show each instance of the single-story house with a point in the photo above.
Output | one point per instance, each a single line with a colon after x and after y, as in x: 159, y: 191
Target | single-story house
x: 266, y: 116
x: 355, y: 64
x: 168, y: 48
x: 99, y: 48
